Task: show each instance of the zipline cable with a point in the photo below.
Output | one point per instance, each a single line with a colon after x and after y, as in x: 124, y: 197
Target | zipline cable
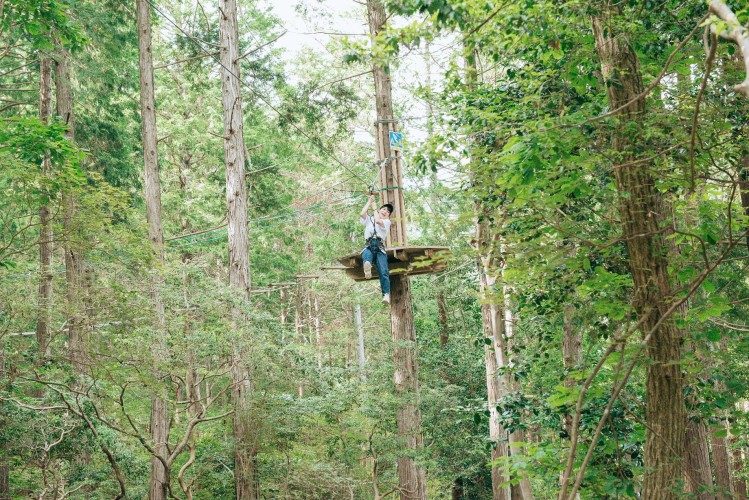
x: 246, y: 85
x: 281, y: 223
x: 268, y: 218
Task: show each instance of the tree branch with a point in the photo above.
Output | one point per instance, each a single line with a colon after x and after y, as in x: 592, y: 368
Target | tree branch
x: 736, y: 32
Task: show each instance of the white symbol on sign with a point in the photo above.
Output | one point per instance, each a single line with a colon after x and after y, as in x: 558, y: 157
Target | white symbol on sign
x: 396, y: 141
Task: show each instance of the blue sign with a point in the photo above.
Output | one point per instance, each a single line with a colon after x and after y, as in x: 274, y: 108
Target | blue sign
x: 396, y: 141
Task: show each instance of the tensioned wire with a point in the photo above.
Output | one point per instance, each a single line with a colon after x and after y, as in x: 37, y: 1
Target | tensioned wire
x: 198, y: 43
x: 321, y: 210
x: 284, y: 215
x: 247, y: 86
x: 313, y: 207
x: 317, y: 211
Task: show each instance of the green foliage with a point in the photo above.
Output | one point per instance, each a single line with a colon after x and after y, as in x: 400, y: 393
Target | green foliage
x: 520, y: 143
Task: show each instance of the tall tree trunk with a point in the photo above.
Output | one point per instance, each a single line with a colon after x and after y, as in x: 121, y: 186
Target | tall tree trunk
x: 744, y: 190
x: 4, y: 465
x: 284, y: 300
x: 498, y: 436
x: 159, y: 411
x: 442, y: 319
x: 518, y: 437
x: 4, y: 480
x: 411, y: 477
x: 73, y: 253
x: 572, y: 353
x: 639, y: 208
x: 360, y: 344
x: 738, y: 482
x: 319, y: 341
x: 299, y: 323
x: 697, y: 469
x: 43, y: 329
x: 722, y: 462
x: 245, y: 447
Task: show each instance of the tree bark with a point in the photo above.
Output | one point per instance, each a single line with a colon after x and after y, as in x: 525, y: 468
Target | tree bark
x: 698, y: 472
x: 4, y: 480
x: 744, y: 190
x: 442, y: 318
x: 73, y: 254
x: 360, y: 345
x: 722, y: 463
x: 4, y: 465
x: 43, y: 329
x: 411, y: 477
x: 245, y: 447
x: 159, y: 483
x: 572, y: 353
x: 738, y: 482
x: 639, y: 208
x: 498, y: 436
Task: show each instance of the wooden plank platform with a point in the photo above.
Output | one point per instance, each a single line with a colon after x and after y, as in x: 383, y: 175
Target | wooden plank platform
x: 409, y: 260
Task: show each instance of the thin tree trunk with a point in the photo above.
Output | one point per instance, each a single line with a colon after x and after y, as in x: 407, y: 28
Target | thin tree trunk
x: 744, y: 190
x: 318, y: 330
x: 284, y: 300
x: 665, y: 410
x: 299, y: 324
x: 737, y: 481
x: 4, y: 480
x: 245, y: 447
x: 43, y: 329
x: 4, y: 465
x: 360, y: 345
x: 722, y: 463
x: 442, y: 319
x: 516, y: 438
x: 159, y: 484
x: 497, y: 434
x: 73, y: 254
x: 411, y: 477
x: 572, y: 353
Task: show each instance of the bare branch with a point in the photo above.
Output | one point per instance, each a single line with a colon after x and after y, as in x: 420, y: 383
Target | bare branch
x: 199, y: 56
x: 736, y: 32
x: 252, y: 51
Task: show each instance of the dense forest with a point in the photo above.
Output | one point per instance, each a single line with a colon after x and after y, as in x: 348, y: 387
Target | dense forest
x: 183, y: 305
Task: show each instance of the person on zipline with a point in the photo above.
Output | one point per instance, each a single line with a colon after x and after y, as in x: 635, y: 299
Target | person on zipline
x: 376, y: 229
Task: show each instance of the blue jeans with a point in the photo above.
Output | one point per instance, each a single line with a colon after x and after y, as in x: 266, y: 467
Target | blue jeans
x: 373, y: 254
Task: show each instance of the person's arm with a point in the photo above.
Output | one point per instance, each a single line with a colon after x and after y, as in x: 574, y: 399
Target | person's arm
x: 378, y: 220
x: 370, y: 201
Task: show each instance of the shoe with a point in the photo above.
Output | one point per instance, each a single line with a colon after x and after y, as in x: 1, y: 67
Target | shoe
x: 368, y: 270
x: 386, y: 298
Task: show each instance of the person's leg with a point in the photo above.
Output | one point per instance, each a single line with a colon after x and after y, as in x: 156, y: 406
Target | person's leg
x: 382, y: 271
x: 367, y: 259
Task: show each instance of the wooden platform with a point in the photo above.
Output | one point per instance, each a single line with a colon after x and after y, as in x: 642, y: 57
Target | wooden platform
x: 401, y: 260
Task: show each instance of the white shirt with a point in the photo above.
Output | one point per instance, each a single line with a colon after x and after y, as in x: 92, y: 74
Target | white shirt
x: 370, y: 227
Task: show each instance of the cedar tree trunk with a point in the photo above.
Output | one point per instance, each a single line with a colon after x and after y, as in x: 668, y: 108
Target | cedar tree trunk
x: 639, y: 208
x: 159, y: 411
x: 245, y: 447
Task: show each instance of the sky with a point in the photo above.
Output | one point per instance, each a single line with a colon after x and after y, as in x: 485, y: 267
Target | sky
x: 311, y: 24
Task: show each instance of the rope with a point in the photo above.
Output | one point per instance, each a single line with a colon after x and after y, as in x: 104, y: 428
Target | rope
x: 281, y: 223
x: 246, y: 85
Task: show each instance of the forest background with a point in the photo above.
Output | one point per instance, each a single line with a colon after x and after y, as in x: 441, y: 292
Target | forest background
x: 586, y: 162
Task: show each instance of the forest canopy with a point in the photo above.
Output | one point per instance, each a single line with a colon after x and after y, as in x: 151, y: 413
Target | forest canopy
x: 185, y: 311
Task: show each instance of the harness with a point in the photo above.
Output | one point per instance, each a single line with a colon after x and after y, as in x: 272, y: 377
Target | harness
x: 374, y: 242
